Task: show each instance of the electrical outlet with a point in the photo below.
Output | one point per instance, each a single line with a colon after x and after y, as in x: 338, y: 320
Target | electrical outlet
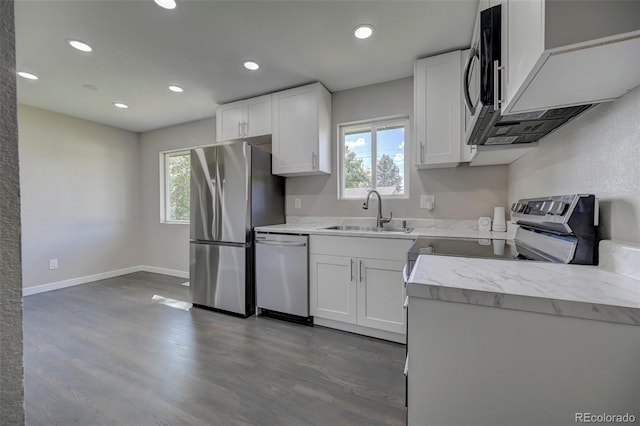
x: 53, y: 263
x: 427, y: 202
x: 297, y: 203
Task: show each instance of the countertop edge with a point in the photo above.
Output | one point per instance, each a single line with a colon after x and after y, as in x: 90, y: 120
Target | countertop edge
x: 542, y: 305
x: 416, y: 233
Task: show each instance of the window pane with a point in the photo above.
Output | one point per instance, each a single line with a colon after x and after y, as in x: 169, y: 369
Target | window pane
x: 178, y: 191
x: 390, y: 160
x: 357, y: 163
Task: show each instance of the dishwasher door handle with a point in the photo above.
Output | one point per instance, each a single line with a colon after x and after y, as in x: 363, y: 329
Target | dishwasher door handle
x: 281, y: 243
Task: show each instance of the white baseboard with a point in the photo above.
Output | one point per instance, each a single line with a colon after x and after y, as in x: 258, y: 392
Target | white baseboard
x: 27, y: 291
x: 358, y: 329
x: 77, y: 281
x: 163, y: 271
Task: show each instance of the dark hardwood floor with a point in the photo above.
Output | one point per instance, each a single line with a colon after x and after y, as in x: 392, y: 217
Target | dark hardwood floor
x: 105, y: 354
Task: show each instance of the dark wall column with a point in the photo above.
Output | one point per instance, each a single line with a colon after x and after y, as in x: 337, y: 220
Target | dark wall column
x: 11, y: 370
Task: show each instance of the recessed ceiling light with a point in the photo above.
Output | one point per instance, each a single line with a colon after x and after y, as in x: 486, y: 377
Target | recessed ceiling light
x: 176, y: 89
x: 167, y: 4
x: 80, y: 45
x: 120, y: 105
x: 27, y: 75
x: 251, y: 66
x: 363, y: 31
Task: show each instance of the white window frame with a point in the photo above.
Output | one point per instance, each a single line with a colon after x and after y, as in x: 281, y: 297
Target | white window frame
x: 373, y: 125
x: 165, y: 208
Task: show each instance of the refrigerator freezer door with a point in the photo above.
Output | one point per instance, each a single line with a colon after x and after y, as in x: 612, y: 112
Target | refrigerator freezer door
x: 220, y: 193
x: 218, y: 277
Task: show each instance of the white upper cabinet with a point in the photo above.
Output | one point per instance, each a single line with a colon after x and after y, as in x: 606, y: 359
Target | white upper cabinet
x: 244, y: 119
x: 301, y: 143
x: 439, y: 124
x: 558, y: 53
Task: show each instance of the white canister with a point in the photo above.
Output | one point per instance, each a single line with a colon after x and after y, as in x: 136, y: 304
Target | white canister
x: 499, y: 220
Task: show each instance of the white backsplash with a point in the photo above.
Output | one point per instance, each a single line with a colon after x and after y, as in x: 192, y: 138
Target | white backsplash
x: 620, y: 257
x: 439, y: 224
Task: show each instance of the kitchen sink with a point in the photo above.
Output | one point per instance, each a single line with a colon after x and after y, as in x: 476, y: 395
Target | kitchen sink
x: 368, y: 229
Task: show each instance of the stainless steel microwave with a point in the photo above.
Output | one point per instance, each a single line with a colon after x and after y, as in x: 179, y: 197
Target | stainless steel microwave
x: 482, y: 93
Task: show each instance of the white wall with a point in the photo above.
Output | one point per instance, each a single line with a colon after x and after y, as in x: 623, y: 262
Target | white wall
x: 166, y: 246
x: 80, y: 196
x: 461, y: 193
x: 599, y: 153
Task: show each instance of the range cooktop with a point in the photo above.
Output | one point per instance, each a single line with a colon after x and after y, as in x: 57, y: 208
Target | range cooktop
x: 463, y: 247
x: 466, y: 247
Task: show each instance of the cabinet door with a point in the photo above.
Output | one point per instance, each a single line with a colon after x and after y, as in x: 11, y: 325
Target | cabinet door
x: 522, y: 45
x: 258, y: 116
x: 381, y: 295
x: 229, y: 118
x: 438, y: 92
x: 332, y: 287
x: 295, y: 130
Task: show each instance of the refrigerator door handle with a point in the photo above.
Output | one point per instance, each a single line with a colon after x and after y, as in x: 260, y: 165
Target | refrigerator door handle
x: 247, y: 172
x: 218, y: 201
x: 220, y: 243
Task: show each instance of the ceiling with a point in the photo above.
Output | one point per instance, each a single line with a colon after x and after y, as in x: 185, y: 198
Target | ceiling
x: 140, y: 49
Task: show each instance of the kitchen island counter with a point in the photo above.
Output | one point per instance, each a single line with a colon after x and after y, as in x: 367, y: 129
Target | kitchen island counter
x: 578, y: 291
x: 504, y: 342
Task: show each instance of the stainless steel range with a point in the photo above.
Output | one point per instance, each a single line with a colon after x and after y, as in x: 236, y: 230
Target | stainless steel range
x: 559, y: 229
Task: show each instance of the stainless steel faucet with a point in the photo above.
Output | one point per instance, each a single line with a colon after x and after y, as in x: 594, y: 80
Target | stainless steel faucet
x: 380, y: 220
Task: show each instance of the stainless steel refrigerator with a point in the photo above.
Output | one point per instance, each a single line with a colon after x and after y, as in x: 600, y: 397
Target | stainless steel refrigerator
x: 232, y: 190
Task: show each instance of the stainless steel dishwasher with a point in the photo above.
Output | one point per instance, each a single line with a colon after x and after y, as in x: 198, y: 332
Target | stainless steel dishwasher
x: 282, y: 276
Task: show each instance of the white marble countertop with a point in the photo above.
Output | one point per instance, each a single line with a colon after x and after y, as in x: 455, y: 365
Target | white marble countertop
x: 578, y: 291
x: 421, y: 228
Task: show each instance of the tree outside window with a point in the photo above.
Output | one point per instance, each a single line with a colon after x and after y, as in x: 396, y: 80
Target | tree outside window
x: 177, y: 181
x: 373, y: 158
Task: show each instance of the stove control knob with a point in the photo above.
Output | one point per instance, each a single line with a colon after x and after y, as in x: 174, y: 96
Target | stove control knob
x: 557, y: 208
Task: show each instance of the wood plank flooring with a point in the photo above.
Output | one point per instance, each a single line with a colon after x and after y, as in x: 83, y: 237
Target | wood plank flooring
x: 105, y: 354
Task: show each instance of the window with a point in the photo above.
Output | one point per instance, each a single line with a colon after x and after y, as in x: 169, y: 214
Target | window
x: 372, y: 157
x: 175, y: 181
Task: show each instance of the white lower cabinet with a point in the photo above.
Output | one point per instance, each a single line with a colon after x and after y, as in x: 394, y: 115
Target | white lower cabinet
x: 356, y: 284
x: 333, y: 290
x: 381, y: 295
x: 486, y: 366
